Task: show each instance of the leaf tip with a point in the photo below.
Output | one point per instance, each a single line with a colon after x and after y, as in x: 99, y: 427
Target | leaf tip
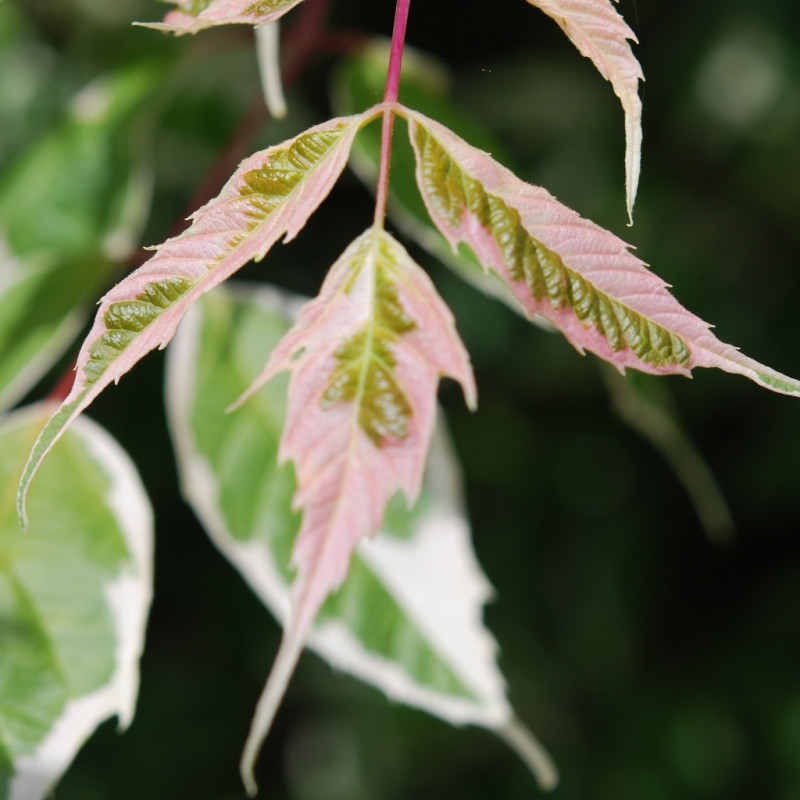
x: 271, y: 697
x: 532, y: 752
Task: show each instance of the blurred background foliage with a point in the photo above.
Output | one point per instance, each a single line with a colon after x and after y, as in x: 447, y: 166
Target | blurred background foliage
x: 652, y: 662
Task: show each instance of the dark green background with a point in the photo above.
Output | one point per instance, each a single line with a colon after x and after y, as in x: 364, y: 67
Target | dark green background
x: 654, y: 664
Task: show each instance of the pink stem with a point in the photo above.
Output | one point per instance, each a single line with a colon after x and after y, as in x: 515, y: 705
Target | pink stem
x: 390, y: 97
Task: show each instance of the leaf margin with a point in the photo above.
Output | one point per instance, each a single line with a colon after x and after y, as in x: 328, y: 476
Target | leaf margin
x: 120, y: 300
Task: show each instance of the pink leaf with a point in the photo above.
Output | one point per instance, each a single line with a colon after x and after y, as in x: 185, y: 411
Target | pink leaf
x: 600, y: 33
x: 577, y: 275
x: 271, y: 194
x: 192, y: 16
x: 366, y: 357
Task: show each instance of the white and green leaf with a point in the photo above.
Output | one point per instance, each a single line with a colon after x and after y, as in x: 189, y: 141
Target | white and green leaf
x: 75, y: 592
x: 407, y: 618
x: 271, y: 195
x: 579, y: 276
x: 366, y: 356
x: 71, y: 207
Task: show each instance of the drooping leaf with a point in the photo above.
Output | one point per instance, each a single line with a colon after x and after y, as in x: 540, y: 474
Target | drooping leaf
x: 600, y: 33
x: 272, y: 194
x: 75, y: 592
x: 71, y: 207
x: 192, y: 16
x: 366, y: 357
x: 408, y: 617
x: 582, y: 278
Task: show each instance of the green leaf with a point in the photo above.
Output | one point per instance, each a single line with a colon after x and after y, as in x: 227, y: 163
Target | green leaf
x: 75, y: 590
x: 71, y: 207
x: 408, y: 617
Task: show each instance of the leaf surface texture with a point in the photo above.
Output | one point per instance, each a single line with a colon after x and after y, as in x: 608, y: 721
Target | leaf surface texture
x: 577, y: 275
x: 271, y: 195
x: 408, y: 617
x: 365, y: 358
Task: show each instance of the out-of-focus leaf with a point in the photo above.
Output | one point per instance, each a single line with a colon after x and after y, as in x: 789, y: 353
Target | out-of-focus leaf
x: 271, y: 195
x: 71, y: 206
x: 75, y: 592
x: 192, y: 16
x: 581, y: 277
x: 424, y: 86
x: 408, y: 616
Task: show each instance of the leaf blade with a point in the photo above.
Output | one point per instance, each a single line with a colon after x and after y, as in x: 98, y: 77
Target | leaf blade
x: 271, y: 195
x: 577, y: 275
x: 600, y: 34
x: 365, y: 358
x: 81, y: 579
x: 408, y: 618
x: 196, y: 15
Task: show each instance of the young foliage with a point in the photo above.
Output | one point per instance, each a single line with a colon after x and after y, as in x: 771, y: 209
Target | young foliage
x: 75, y: 592
x: 577, y: 275
x: 600, y: 33
x: 192, y: 16
x: 272, y: 194
x: 407, y: 618
x: 366, y: 356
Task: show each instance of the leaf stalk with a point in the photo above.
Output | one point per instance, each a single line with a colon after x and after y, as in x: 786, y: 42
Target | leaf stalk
x: 390, y: 96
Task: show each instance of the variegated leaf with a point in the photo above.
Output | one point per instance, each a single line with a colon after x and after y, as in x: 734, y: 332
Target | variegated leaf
x: 579, y: 276
x: 366, y: 357
x: 600, y: 33
x: 272, y: 194
x: 192, y: 16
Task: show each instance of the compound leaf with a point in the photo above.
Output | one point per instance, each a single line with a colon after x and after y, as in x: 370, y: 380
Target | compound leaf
x: 579, y: 276
x: 271, y: 194
x: 366, y: 357
x: 600, y: 33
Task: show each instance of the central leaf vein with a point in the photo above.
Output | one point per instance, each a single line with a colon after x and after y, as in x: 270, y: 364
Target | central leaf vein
x: 366, y: 366
x: 453, y: 192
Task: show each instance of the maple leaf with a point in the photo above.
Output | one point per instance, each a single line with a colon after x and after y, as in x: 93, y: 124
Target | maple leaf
x: 271, y: 194
x: 600, y: 34
x: 366, y: 356
x: 192, y: 16
x: 574, y: 273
